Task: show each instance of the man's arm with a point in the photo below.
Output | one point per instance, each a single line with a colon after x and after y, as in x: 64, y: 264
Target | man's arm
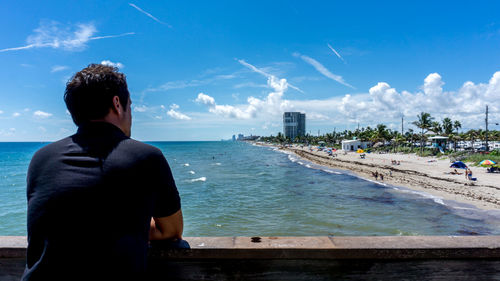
x: 170, y: 227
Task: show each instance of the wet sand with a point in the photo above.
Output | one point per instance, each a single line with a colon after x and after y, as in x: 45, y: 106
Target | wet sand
x: 427, y: 174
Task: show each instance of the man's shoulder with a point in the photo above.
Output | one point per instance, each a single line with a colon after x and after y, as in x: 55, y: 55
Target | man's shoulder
x: 53, y: 147
x: 136, y: 146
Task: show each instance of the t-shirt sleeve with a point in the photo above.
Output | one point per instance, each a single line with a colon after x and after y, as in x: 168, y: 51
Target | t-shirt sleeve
x: 166, y: 197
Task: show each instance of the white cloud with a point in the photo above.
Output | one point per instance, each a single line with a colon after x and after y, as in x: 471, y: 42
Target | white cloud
x: 140, y: 108
x: 113, y: 64
x: 185, y: 84
x: 381, y: 103
x: 273, y: 104
x: 1, y: 112
x: 176, y: 114
x: 41, y: 114
x: 384, y: 104
x: 50, y: 34
x: 57, y: 68
x: 250, y: 85
x: 10, y: 132
x: 42, y: 129
x: 16, y: 114
x: 321, y: 69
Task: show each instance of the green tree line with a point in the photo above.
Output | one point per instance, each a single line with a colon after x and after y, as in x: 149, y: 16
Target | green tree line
x: 424, y: 122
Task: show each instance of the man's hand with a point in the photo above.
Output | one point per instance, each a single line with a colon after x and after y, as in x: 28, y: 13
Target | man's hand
x: 167, y: 228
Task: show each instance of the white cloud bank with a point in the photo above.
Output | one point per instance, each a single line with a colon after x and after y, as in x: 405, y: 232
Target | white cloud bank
x: 381, y: 104
x: 273, y: 104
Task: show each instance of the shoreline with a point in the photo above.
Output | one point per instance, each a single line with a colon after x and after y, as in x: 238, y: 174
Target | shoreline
x: 422, y: 174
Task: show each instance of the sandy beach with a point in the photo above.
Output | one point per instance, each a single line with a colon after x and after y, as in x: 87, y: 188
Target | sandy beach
x: 427, y: 174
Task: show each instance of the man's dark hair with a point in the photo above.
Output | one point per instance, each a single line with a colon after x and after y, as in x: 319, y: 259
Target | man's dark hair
x: 89, y: 94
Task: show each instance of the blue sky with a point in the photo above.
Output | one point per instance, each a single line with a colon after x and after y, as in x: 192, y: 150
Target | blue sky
x: 205, y: 70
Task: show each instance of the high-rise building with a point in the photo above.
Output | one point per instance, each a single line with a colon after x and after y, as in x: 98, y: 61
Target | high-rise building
x: 294, y: 124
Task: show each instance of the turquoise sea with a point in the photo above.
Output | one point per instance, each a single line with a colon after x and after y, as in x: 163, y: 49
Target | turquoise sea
x: 239, y: 189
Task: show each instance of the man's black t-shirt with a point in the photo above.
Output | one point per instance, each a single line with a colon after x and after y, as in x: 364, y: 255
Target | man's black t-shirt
x: 91, y: 197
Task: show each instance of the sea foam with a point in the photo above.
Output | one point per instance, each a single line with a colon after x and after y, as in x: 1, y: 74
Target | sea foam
x: 199, y: 179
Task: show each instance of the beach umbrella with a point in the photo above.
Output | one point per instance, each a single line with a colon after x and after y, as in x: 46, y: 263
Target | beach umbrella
x: 458, y: 165
x: 360, y: 151
x: 487, y: 162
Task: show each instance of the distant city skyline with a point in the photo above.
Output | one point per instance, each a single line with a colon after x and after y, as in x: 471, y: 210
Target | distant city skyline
x: 204, y: 70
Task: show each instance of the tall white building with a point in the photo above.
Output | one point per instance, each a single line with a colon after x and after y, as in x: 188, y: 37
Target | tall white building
x: 294, y: 124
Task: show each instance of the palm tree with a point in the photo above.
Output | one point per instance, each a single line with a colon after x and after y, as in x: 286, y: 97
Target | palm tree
x: 447, y: 126
x: 379, y: 134
x: 457, y: 125
x: 436, y: 128
x: 455, y: 138
x: 472, y: 135
x: 424, y: 124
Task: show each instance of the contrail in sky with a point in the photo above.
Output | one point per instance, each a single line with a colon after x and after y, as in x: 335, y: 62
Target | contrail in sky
x: 323, y: 70
x: 64, y: 42
x: 338, y: 55
x: 149, y: 15
x: 255, y: 69
x: 112, y: 36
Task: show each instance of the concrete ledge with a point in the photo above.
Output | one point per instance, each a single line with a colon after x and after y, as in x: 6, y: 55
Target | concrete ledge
x: 308, y: 258
x: 314, y: 247
x: 323, y: 247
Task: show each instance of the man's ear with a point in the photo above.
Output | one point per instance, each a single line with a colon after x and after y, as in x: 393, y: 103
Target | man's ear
x: 117, y: 107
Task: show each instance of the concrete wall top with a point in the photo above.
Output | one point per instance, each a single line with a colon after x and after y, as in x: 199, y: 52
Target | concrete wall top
x: 314, y: 247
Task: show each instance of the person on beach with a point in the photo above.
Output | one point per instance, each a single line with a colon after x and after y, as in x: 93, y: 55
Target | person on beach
x: 468, y: 174
x: 96, y: 198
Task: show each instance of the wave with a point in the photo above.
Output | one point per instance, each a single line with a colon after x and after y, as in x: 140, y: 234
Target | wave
x: 192, y: 172
x: 434, y: 198
x: 331, y: 172
x: 311, y: 165
x: 199, y: 179
x: 185, y: 165
x: 291, y: 158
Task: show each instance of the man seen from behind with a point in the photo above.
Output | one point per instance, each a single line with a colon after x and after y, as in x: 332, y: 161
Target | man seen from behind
x: 96, y: 198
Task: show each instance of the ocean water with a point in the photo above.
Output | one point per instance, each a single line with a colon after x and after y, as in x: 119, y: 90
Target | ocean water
x: 239, y: 189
